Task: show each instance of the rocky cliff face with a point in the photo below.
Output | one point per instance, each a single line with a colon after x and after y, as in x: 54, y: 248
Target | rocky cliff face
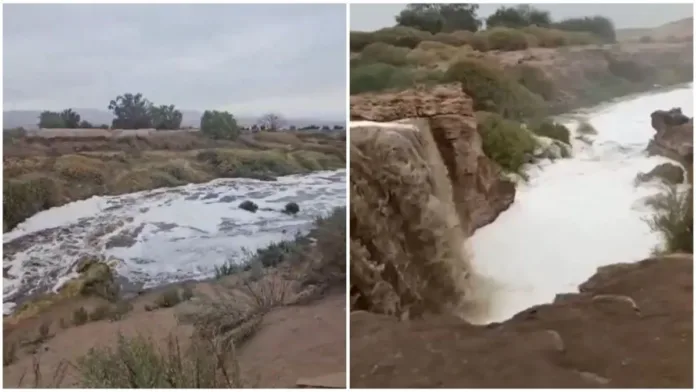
x: 674, y: 137
x: 585, y: 75
x: 480, y: 192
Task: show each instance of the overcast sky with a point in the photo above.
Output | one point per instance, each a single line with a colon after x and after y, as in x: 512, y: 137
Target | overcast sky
x: 368, y: 17
x: 249, y: 59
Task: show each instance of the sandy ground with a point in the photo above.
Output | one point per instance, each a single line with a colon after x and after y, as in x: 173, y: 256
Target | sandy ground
x: 631, y: 326
x: 293, y: 342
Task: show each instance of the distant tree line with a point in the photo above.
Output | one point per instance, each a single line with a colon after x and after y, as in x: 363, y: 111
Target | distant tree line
x: 133, y: 111
x: 445, y: 18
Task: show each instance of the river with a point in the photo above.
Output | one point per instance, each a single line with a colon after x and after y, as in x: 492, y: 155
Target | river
x: 575, y: 215
x: 163, y: 235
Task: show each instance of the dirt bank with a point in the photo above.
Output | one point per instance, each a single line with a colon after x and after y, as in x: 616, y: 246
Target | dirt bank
x: 630, y: 326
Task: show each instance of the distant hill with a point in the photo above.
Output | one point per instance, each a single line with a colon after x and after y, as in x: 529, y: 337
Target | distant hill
x: 28, y: 119
x: 681, y: 29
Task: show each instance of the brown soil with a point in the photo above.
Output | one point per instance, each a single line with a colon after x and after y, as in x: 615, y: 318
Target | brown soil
x: 292, y: 342
x: 631, y: 326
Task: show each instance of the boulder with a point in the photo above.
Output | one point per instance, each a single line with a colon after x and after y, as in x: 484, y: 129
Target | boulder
x: 667, y: 172
x: 674, y: 136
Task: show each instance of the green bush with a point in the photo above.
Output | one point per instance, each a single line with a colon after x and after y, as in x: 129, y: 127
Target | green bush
x: 359, y: 40
x: 25, y: 197
x: 168, y: 298
x: 553, y: 130
x: 673, y: 219
x: 379, y: 52
x: 139, y: 363
x: 219, y: 125
x: 535, y: 81
x: 505, y: 141
x: 380, y: 77
x: 80, y: 316
x: 493, y: 91
x: 506, y: 39
x: 402, y: 36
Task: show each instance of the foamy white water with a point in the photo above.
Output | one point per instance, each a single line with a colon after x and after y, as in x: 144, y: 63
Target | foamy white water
x: 576, y: 214
x: 164, y: 235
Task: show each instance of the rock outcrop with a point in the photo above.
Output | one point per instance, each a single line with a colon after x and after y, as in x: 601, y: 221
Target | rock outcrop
x: 674, y: 137
x: 420, y: 184
x: 480, y: 192
x: 631, y: 326
x: 667, y: 172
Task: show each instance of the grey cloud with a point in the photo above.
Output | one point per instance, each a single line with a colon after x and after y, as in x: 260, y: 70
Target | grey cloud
x: 285, y: 58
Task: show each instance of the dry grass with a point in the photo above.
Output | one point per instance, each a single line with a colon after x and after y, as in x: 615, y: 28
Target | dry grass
x: 137, y: 362
x: 33, y: 183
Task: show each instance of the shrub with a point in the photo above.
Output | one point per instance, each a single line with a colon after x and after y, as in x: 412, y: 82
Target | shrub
x: 502, y: 38
x: 227, y: 268
x: 9, y: 353
x: 138, y: 363
x: 359, y: 40
x: 44, y: 331
x: 168, y: 298
x: 493, y: 91
x: 673, y: 219
x: 80, y: 168
x: 535, y: 81
x: 552, y: 130
x: 330, y: 235
x: 219, y: 125
x: 379, y: 77
x: 80, y: 316
x: 379, y: 52
x: 249, y: 205
x: 505, y: 141
x: 455, y: 38
x: 291, y: 208
x: 24, y: 197
x: 100, y: 312
x: 401, y: 36
x: 597, y: 25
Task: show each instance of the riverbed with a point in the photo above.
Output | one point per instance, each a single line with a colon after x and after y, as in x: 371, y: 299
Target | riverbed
x: 577, y: 214
x: 164, y: 235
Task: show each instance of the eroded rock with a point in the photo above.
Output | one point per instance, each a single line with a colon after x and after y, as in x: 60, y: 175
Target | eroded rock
x: 480, y: 192
x: 674, y: 137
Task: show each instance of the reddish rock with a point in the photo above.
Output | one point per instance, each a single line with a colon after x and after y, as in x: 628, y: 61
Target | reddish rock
x: 480, y: 194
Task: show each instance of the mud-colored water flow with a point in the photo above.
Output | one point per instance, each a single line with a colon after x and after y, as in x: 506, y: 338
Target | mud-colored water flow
x: 164, y: 235
x: 575, y: 214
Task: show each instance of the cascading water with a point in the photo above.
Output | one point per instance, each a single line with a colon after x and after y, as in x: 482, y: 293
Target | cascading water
x: 575, y: 215
x: 163, y: 235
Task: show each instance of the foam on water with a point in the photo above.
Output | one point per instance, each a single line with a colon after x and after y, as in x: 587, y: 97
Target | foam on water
x: 576, y: 214
x: 164, y: 235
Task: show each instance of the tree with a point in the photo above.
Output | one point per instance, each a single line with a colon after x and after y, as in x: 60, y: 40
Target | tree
x: 517, y: 17
x: 437, y: 18
x: 131, y: 111
x: 597, y: 25
x: 70, y: 118
x: 219, y: 125
x: 48, y: 119
x: 165, y: 117
x: 271, y: 121
x: 86, y: 124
